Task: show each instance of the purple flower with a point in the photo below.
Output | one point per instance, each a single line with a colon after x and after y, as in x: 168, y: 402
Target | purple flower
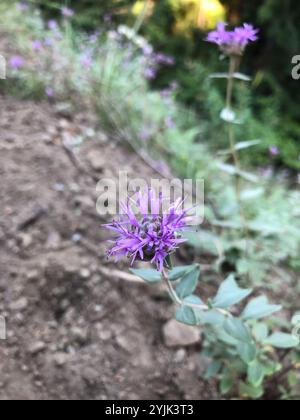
x: 86, y: 60
x: 22, y: 6
x: 220, y: 36
x: 37, y: 45
x: 52, y: 25
x: 233, y: 42
x: 16, y: 62
x: 48, y: 42
x: 147, y: 50
x: 245, y: 34
x: 150, y: 235
x: 170, y: 123
x: 274, y: 150
x: 49, y: 92
x: 67, y: 12
x: 150, y: 73
x: 161, y: 58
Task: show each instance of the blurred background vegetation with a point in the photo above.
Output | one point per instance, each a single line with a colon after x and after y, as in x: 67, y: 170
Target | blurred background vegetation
x: 144, y: 67
x: 177, y: 27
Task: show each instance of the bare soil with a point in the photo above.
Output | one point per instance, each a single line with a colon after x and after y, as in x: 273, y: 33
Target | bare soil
x: 75, y: 330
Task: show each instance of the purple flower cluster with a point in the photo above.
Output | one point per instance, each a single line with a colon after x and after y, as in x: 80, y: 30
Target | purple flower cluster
x: 152, y: 235
x: 16, y: 62
x: 67, y: 12
x: 22, y: 6
x: 37, y: 45
x: 235, y: 41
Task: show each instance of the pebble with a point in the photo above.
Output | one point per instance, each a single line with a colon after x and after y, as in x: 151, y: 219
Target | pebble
x: 19, y: 305
x: 180, y: 335
x: 37, y: 347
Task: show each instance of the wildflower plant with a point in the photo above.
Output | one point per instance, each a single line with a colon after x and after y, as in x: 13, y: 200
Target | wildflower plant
x: 249, y: 354
x: 239, y: 343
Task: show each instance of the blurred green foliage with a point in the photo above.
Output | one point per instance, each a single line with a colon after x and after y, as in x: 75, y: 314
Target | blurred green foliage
x: 273, y: 115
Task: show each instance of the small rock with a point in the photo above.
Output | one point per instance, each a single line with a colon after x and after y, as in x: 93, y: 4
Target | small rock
x: 85, y: 273
x: 60, y: 358
x: 37, y: 347
x: 19, y: 305
x: 46, y: 138
x: 79, y: 334
x: 53, y: 240
x: 180, y: 356
x: 180, y: 335
x: 105, y: 335
x: 96, y: 159
x: 25, y: 240
x: 32, y: 275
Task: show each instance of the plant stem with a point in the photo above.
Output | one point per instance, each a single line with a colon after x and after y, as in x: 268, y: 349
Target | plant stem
x: 176, y: 299
x: 140, y: 20
x: 233, y: 67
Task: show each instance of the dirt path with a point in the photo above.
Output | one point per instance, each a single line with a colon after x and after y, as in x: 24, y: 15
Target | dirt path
x: 73, y: 332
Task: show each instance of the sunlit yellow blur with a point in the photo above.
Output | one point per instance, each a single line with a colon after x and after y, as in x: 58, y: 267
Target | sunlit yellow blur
x: 197, y: 13
x: 138, y: 7
x: 210, y: 13
x: 189, y: 13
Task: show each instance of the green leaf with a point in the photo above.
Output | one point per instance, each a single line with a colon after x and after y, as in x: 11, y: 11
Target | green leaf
x: 149, y: 275
x: 255, y: 373
x: 232, y: 170
x: 212, y: 370
x: 251, y: 194
x: 212, y: 317
x: 188, y: 315
x: 243, y: 77
x: 230, y: 294
x: 237, y: 75
x: 247, y: 351
x: 227, y: 382
x: 188, y: 283
x: 246, y: 144
x: 260, y: 332
x: 282, y: 340
x: 259, y: 308
x: 250, y: 391
x: 224, y: 337
x: 237, y: 329
x: 178, y: 272
x: 271, y: 367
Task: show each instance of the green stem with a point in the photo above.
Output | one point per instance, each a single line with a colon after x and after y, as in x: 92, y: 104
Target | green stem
x: 233, y: 67
x: 140, y: 20
x: 176, y: 299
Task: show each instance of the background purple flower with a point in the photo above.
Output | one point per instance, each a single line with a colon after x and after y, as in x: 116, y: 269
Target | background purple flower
x: 150, y: 235
x: 233, y: 41
x: 67, y: 12
x: 49, y: 92
x: 17, y: 62
x: 86, y: 60
x: 170, y: 123
x: 274, y: 150
x: 52, y: 24
x: 245, y: 34
x: 150, y: 73
x: 36, y: 45
x: 22, y: 6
